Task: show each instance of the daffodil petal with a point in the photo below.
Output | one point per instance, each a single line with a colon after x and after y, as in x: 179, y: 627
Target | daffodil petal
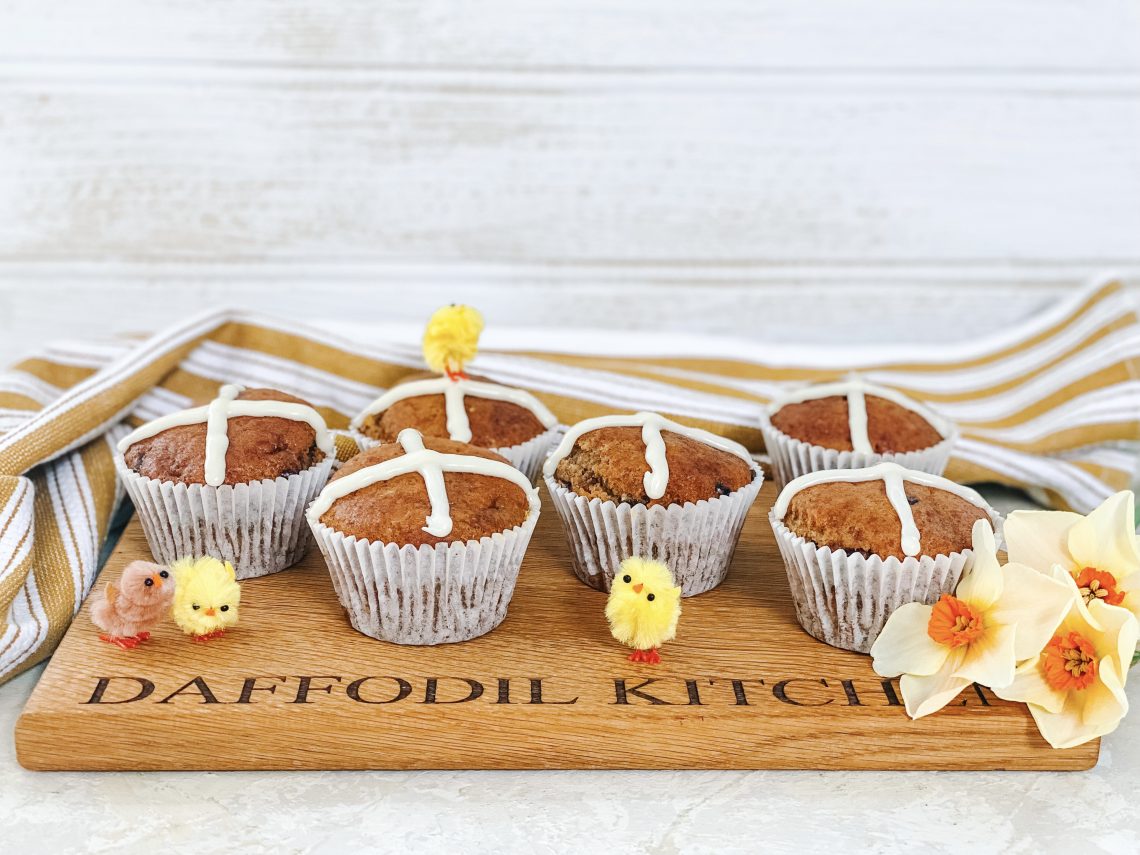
x: 1039, y: 538
x: 1106, y: 538
x: 1119, y: 623
x: 1062, y: 729
x: 982, y: 585
x: 929, y: 694
x: 1130, y: 587
x: 1033, y: 603
x: 1079, y: 610
x: 1029, y: 686
x: 1104, y: 703
x: 905, y: 647
x: 989, y: 658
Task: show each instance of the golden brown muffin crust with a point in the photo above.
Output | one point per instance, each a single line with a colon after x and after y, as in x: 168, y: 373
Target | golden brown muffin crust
x: 396, y: 510
x: 858, y: 517
x: 261, y: 447
x: 824, y: 422
x: 494, y: 424
x: 609, y: 464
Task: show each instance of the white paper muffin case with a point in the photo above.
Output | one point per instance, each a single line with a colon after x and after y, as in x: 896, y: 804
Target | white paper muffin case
x: 428, y: 594
x: 845, y: 599
x: 259, y: 527
x: 696, y: 541
x: 792, y: 457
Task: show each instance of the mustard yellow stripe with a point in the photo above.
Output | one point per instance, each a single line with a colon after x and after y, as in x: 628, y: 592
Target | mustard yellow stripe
x: 11, y: 584
x: 54, y: 574
x: 36, y: 654
x: 16, y: 401
x: 645, y: 370
x: 968, y: 472
x: 198, y: 389
x: 99, y: 465
x: 1102, y: 379
x: 714, y: 367
x: 337, y: 361
x: 1117, y: 479
x: 55, y: 373
x: 1070, y: 438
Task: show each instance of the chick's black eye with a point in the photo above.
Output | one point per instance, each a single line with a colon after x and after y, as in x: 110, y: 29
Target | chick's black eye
x: 164, y: 575
x: 627, y: 578
x: 225, y: 608
x: 149, y: 583
x: 651, y: 598
x: 195, y: 607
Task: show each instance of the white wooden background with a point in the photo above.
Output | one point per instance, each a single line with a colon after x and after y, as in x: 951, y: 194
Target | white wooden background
x: 697, y: 164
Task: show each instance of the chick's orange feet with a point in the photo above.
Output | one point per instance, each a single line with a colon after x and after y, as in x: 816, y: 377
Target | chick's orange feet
x: 209, y: 636
x: 125, y: 642
x: 649, y: 657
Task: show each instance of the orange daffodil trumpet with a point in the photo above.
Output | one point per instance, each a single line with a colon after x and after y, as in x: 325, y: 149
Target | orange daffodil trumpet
x: 996, y: 617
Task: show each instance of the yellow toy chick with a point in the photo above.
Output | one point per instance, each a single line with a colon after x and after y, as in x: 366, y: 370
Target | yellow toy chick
x: 206, y: 597
x: 643, y: 608
x: 451, y: 339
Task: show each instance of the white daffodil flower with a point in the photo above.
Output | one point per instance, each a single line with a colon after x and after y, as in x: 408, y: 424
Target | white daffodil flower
x: 1075, y: 686
x: 1101, y: 551
x: 996, y: 617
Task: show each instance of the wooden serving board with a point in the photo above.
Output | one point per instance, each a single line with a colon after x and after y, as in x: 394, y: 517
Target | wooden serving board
x: 295, y: 687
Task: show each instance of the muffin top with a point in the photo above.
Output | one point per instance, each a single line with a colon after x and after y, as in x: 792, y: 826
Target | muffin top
x: 857, y: 416
x: 383, y: 494
x: 270, y: 434
x: 608, y: 458
x: 882, y: 510
x: 462, y: 408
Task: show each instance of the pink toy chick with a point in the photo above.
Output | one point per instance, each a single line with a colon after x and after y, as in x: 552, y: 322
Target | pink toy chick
x: 127, y: 612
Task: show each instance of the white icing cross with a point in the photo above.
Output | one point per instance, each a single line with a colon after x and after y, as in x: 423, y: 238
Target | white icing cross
x: 856, y: 389
x: 217, y: 414
x: 894, y: 478
x: 656, y: 480
x: 454, y: 392
x: 429, y: 465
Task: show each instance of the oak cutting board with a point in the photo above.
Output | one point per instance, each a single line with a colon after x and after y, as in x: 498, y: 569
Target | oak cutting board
x: 295, y: 687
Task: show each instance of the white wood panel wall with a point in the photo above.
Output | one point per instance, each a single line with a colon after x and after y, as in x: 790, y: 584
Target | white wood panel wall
x: 710, y: 165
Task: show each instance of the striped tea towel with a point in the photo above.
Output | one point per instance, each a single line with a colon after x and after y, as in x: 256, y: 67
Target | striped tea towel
x: 1052, y: 407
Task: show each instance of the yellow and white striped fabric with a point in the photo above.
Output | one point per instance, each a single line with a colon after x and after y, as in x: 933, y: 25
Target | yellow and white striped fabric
x: 1052, y: 407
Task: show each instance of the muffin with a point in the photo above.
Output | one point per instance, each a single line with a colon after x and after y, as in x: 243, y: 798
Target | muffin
x: 510, y: 421
x: 229, y: 479
x: 645, y: 486
x: 424, y: 538
x: 850, y: 425
x: 859, y: 543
